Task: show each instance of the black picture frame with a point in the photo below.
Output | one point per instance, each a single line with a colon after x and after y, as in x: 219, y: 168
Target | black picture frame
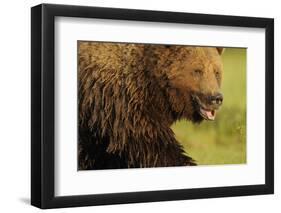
x: 43, y: 117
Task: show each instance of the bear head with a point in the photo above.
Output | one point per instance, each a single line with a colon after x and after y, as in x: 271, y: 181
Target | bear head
x: 194, y: 76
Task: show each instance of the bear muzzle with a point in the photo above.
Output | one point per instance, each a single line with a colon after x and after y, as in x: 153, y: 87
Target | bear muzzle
x: 207, y: 105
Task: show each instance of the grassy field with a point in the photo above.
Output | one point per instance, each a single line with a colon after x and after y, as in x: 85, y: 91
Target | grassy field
x: 222, y: 141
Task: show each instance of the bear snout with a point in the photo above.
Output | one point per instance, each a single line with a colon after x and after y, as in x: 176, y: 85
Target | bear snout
x: 216, y: 99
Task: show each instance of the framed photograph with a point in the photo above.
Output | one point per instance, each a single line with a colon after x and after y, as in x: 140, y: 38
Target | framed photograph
x: 139, y: 106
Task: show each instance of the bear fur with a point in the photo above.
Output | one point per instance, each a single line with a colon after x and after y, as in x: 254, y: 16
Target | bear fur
x: 129, y: 96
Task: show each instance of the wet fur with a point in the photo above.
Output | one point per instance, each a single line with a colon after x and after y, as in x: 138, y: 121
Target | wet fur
x: 128, y: 99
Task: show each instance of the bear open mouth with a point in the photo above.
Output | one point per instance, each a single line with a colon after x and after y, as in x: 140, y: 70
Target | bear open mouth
x: 207, y: 113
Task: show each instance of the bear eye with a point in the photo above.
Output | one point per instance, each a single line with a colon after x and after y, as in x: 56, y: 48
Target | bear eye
x: 217, y: 73
x: 198, y: 72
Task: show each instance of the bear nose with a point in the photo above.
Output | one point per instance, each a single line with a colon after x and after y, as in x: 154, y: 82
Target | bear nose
x: 216, y: 99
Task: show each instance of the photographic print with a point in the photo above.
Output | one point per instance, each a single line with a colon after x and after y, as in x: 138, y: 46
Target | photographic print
x: 157, y: 105
x: 158, y: 100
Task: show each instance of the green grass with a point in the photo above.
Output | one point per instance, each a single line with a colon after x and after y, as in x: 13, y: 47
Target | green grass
x: 222, y: 141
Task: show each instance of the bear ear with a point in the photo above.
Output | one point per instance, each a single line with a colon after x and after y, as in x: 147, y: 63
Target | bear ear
x: 220, y: 50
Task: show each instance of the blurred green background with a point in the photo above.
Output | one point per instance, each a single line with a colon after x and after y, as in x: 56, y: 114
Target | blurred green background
x: 222, y: 141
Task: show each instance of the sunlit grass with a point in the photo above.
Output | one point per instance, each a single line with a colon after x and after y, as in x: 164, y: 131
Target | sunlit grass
x: 222, y: 141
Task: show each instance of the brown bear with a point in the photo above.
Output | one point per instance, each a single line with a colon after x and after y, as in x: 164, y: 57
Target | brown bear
x: 130, y: 95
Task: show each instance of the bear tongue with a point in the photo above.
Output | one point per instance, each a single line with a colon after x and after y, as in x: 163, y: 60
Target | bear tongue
x: 209, y: 114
